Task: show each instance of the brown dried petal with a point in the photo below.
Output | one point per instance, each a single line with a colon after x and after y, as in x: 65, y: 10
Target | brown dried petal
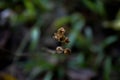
x: 61, y: 38
x: 66, y: 40
x: 61, y: 30
x: 56, y: 36
x: 67, y: 51
x: 59, y: 50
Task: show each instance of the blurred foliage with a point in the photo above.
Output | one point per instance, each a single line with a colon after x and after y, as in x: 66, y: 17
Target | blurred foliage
x: 97, y: 6
x: 93, y: 33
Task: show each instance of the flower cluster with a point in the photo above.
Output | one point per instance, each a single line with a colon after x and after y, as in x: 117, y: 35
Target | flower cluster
x: 60, y: 37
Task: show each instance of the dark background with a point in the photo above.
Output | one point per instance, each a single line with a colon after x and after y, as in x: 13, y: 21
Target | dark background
x: 27, y: 49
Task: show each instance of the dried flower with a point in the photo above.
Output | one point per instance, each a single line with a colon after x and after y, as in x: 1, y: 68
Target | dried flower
x: 60, y: 36
x: 59, y: 50
x: 67, y: 51
x: 61, y: 31
x: 66, y: 40
x: 56, y: 36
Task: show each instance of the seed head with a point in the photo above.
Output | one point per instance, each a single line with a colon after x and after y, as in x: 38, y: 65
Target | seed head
x: 60, y: 36
x: 61, y: 31
x: 59, y: 50
x: 66, y: 40
x: 67, y: 51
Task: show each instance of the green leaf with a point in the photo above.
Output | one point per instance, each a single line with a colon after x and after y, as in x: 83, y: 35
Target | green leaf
x: 90, y: 5
x: 96, y: 6
x: 48, y: 76
x: 81, y: 60
x: 2, y: 4
x: 99, y: 59
x: 82, y: 42
x: 38, y: 61
x: 61, y: 21
x: 30, y: 7
x: 89, y: 34
x: 109, y: 41
x: 78, y: 61
x: 61, y: 72
x: 43, y: 5
x: 34, y: 73
x: 107, y: 68
x: 118, y: 15
x: 78, y: 22
x: 35, y: 37
x: 100, y: 7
